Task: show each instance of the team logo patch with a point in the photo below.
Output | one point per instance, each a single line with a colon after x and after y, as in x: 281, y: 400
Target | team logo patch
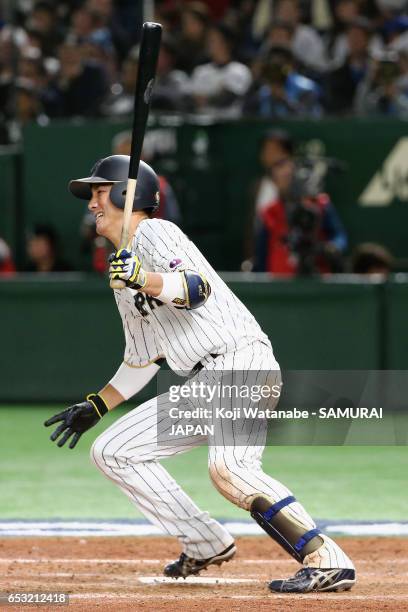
x: 179, y: 302
x: 175, y: 263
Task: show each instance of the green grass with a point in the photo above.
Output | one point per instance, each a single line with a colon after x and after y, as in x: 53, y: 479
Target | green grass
x: 40, y: 480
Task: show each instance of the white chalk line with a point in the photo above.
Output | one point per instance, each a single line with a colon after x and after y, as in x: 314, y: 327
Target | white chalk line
x: 194, y: 580
x: 77, y: 528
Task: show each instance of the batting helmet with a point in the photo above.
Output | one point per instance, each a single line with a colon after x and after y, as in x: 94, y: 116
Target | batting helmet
x: 115, y: 169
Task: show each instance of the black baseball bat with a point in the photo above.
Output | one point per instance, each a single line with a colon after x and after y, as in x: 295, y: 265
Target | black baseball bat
x: 149, y: 53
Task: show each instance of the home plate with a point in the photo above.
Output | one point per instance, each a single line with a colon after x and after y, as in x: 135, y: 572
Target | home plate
x: 194, y: 580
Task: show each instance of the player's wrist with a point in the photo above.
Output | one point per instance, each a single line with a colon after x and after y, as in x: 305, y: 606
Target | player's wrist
x: 139, y: 280
x: 99, y: 404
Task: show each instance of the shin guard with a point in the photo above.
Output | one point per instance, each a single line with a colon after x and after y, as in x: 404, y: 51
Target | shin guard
x: 284, y: 528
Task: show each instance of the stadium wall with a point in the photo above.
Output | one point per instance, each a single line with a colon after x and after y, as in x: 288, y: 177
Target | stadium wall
x: 213, y: 169
x: 62, y: 338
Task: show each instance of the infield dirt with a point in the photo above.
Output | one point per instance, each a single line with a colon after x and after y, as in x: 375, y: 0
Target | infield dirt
x: 104, y: 574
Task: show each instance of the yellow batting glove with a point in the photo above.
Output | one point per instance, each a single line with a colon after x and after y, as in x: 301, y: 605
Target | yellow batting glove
x: 126, y: 266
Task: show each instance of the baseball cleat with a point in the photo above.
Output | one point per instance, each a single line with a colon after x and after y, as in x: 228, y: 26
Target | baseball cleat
x: 311, y: 579
x: 186, y: 566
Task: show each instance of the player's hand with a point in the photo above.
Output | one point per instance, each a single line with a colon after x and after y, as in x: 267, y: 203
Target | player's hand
x: 125, y: 266
x: 74, y: 421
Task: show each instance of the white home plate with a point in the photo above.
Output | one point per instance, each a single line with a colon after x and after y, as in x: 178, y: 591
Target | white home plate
x: 194, y: 580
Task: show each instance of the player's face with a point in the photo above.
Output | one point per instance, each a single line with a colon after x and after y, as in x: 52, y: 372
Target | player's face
x: 107, y: 216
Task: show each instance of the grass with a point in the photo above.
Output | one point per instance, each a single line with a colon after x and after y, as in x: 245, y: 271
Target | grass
x: 40, y: 480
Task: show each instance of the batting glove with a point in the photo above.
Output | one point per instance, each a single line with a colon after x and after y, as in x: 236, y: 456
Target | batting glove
x: 77, y: 419
x: 125, y: 266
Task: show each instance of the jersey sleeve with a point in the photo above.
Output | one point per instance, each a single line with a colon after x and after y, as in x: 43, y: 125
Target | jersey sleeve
x: 163, y: 247
x: 141, y: 347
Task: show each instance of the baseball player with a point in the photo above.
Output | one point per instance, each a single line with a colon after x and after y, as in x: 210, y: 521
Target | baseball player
x: 176, y: 308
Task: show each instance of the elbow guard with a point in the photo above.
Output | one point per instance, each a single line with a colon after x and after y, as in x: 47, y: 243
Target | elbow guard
x: 196, y: 287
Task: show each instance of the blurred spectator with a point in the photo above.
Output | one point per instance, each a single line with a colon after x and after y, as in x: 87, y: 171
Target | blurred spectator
x: 307, y: 45
x: 83, y: 23
x: 7, y: 266
x: 299, y: 232
x: 43, y: 22
x: 74, y: 50
x: 8, y: 53
x: 171, y: 85
x: 219, y: 86
x: 347, y: 12
x: 273, y: 145
x: 280, y: 91
x: 385, y: 89
x: 396, y: 33
x: 88, y: 30
x: 80, y: 85
x: 341, y: 84
x: 108, y: 21
x: 390, y: 7
x: 26, y: 96
x: 43, y: 251
x: 239, y: 17
x: 31, y: 67
x: 28, y: 106
x: 120, y: 101
x: 372, y: 259
x: 193, y: 35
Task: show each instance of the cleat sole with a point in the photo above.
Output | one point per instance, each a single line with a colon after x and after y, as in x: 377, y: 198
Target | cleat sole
x: 217, y: 560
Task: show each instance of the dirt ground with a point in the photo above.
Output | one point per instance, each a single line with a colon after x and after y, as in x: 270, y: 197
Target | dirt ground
x: 107, y: 574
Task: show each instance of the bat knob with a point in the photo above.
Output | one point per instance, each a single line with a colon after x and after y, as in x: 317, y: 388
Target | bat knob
x: 151, y: 25
x: 117, y: 284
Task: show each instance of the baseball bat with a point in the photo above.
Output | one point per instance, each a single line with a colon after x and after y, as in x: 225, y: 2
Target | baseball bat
x: 149, y: 52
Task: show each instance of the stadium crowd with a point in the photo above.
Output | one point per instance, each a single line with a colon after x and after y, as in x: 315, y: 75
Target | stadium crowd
x: 226, y: 58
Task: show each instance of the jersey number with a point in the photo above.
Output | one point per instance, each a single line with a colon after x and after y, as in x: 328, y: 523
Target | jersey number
x: 142, y: 299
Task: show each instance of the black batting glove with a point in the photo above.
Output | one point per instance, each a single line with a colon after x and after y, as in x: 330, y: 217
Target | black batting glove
x: 77, y: 419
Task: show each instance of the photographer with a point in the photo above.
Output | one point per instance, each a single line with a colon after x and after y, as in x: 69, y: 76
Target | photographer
x: 299, y: 231
x: 385, y: 90
x: 280, y: 91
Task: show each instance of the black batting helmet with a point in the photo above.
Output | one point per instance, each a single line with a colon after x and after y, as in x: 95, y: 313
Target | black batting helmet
x: 115, y: 169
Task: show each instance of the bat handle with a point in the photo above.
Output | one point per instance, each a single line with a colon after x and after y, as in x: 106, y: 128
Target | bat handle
x: 117, y: 283
x: 127, y: 213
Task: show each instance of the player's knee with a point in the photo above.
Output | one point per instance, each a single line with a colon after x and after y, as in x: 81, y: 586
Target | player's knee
x: 96, y: 452
x: 102, y: 453
x: 220, y: 473
x: 227, y: 477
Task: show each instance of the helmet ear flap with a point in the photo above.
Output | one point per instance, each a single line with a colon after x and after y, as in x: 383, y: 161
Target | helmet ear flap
x: 118, y: 194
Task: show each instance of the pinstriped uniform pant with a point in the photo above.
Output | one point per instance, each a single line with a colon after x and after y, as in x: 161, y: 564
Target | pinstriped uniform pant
x: 128, y: 453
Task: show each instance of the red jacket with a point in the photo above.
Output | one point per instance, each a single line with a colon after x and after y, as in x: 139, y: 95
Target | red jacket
x: 7, y: 267
x: 280, y: 259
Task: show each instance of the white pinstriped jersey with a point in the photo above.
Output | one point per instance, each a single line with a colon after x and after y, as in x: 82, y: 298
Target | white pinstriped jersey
x: 184, y: 337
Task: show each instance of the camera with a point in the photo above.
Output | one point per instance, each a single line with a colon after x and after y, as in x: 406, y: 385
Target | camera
x: 304, y: 212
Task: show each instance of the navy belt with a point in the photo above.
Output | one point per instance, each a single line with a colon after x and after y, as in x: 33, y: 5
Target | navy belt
x: 199, y: 365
